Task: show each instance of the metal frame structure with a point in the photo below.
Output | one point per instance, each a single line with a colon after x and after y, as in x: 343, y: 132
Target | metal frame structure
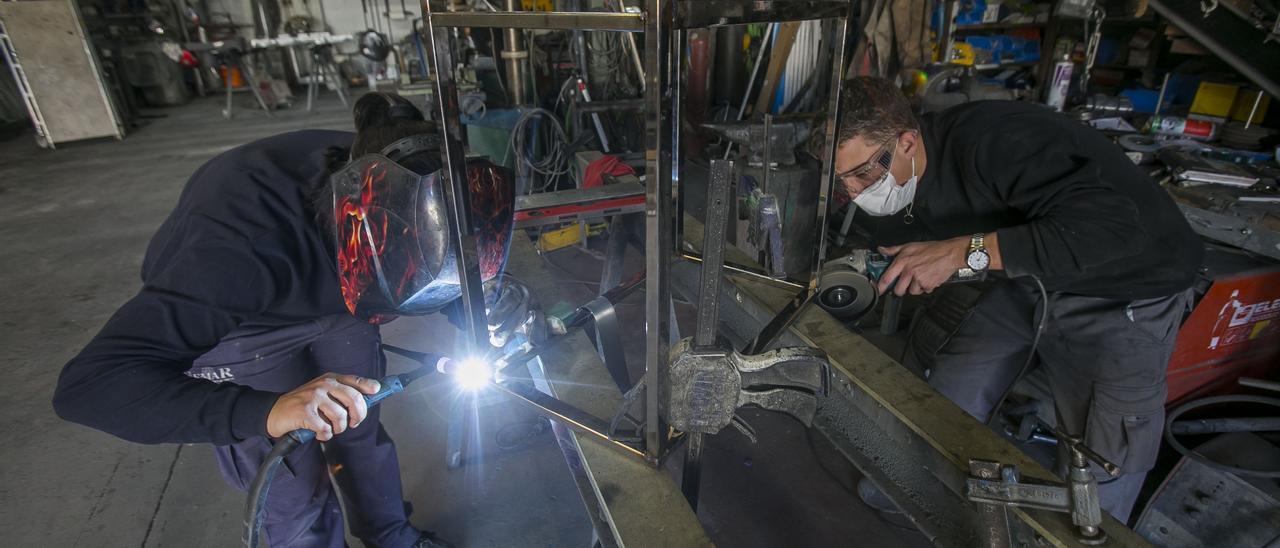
x: 665, y: 24
x: 907, y: 438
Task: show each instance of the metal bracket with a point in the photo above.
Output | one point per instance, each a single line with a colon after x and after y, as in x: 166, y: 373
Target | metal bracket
x: 1079, y: 497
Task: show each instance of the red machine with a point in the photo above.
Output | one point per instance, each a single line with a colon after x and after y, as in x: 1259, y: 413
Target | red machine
x: 1234, y: 331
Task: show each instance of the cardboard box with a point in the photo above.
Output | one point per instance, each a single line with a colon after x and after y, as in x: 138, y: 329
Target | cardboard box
x: 1214, y: 99
x: 1244, y: 103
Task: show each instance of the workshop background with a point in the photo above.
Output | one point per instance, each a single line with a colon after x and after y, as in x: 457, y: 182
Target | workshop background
x: 107, y: 107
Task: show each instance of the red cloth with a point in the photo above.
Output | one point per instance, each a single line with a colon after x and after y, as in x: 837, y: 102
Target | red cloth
x: 594, y: 175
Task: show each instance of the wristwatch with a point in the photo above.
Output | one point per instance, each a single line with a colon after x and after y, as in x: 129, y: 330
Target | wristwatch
x: 978, y: 260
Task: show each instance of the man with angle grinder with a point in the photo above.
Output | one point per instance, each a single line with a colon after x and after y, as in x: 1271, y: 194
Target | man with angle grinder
x: 257, y: 322
x: 1091, y: 263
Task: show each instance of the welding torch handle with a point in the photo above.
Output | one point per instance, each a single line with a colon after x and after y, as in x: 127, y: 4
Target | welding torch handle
x: 388, y: 386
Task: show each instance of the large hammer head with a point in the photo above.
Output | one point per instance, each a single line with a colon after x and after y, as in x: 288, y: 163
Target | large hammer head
x: 706, y: 386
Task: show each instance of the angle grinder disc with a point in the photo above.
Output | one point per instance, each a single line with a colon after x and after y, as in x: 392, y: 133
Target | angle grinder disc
x: 846, y: 294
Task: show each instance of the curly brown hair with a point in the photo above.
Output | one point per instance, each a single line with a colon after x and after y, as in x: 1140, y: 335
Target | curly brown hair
x: 875, y: 109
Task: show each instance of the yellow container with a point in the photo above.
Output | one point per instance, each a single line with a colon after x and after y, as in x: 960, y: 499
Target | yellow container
x: 1244, y: 104
x: 1214, y: 99
x: 552, y: 240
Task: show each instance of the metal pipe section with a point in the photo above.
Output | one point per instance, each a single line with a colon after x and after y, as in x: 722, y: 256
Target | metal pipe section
x: 578, y: 420
x: 611, y: 106
x: 513, y: 58
x: 459, y: 208
x: 1219, y: 426
x: 755, y: 273
x: 660, y: 131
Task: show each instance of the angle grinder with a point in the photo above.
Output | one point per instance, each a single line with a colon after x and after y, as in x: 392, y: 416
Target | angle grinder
x: 847, y: 286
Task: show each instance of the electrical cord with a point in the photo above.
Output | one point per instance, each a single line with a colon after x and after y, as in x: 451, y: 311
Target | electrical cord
x: 554, y: 161
x: 1031, y: 354
x: 256, y: 504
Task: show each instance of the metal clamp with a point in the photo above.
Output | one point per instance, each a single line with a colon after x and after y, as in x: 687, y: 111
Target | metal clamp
x: 994, y: 483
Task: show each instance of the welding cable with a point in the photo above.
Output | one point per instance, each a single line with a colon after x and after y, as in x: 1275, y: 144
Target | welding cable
x: 554, y: 162
x: 1031, y: 354
x: 256, y: 506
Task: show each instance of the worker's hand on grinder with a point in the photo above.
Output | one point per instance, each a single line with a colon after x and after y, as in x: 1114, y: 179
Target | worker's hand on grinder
x: 920, y: 267
x: 327, y: 406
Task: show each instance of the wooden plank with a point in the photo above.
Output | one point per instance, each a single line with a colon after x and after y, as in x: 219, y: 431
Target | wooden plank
x: 786, y: 37
x: 51, y: 48
x: 643, y: 505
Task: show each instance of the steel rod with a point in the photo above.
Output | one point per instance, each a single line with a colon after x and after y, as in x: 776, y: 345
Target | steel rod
x: 578, y: 420
x: 751, y: 272
x: 606, y: 21
x: 829, y: 154
x: 457, y: 212
x: 658, y: 238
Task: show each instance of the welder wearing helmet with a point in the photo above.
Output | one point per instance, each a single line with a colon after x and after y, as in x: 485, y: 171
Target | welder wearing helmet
x: 258, y: 315
x: 1034, y: 198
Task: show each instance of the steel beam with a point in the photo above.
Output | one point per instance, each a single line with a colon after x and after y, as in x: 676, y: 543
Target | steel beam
x: 903, y: 435
x: 608, y: 21
x: 660, y: 132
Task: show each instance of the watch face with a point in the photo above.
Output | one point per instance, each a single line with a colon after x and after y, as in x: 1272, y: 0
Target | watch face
x: 978, y: 260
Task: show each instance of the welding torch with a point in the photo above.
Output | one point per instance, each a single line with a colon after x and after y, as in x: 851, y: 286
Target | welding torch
x: 255, y: 507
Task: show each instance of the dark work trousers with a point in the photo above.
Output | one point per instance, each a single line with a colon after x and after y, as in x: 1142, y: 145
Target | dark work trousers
x: 1105, y: 360
x: 302, y: 509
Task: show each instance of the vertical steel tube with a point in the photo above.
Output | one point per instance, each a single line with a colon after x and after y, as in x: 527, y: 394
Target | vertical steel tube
x: 630, y: 40
x: 455, y: 187
x: 513, y: 58
x: 658, y: 237
x: 829, y: 153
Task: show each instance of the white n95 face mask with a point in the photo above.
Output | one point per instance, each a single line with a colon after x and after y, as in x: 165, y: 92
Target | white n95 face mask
x: 887, y: 197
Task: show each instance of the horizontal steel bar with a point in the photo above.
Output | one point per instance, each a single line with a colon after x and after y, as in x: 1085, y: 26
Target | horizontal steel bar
x: 611, y: 106
x: 568, y: 415
x: 694, y: 14
x: 608, y: 21
x: 752, y: 272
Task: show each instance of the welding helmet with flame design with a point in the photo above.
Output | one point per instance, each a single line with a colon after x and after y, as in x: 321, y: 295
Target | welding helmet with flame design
x: 394, y: 250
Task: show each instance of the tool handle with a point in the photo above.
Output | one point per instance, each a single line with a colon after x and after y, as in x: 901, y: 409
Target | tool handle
x: 1077, y: 445
x: 388, y: 386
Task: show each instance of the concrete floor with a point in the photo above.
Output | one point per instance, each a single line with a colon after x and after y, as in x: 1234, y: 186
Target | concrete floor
x: 76, y: 222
